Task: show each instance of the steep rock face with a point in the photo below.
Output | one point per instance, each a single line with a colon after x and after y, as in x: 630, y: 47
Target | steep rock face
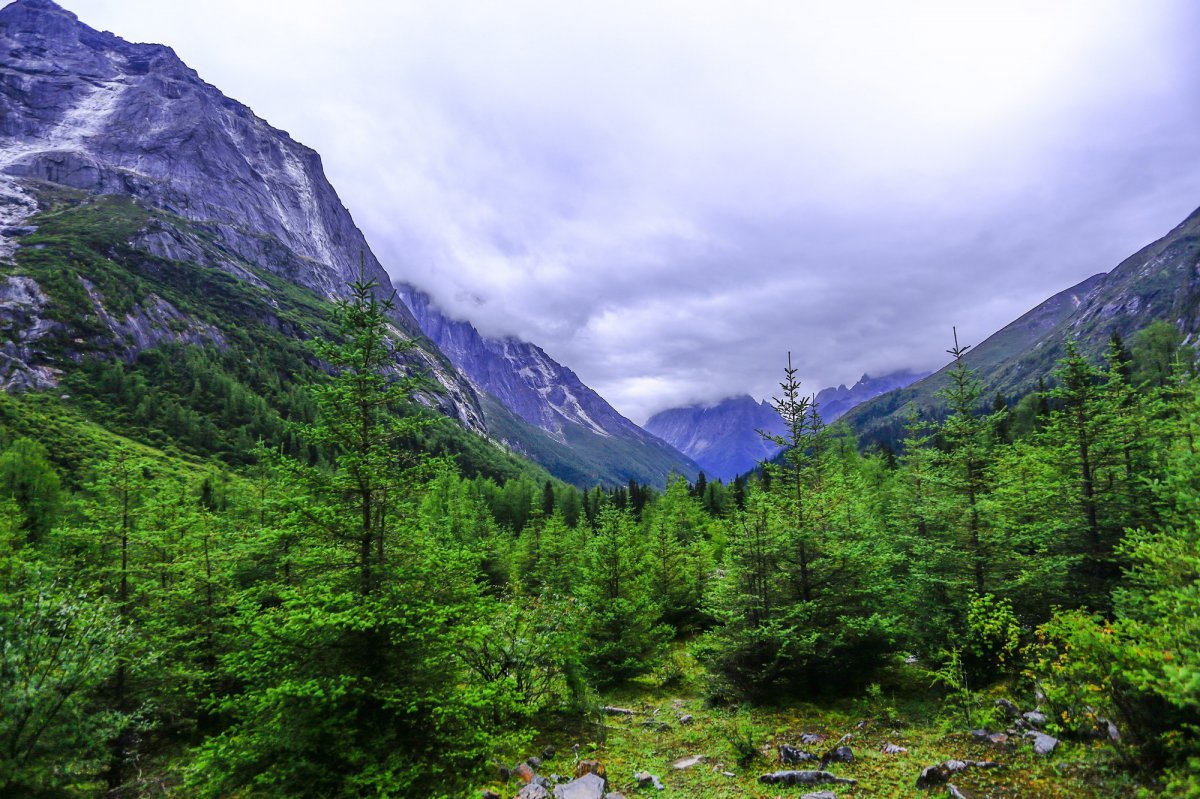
x: 833, y: 403
x: 1160, y: 281
x: 722, y: 438
x: 546, y: 395
x: 87, y: 110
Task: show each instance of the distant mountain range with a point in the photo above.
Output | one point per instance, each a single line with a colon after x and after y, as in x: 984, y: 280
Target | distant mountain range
x: 724, y: 438
x: 833, y: 403
x: 86, y: 112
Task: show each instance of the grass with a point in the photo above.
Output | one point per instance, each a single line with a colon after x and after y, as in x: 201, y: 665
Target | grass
x: 906, y: 712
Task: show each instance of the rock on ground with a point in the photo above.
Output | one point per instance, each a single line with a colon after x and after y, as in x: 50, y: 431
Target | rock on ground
x: 790, y: 755
x: 1043, y: 744
x: 645, y: 780
x: 933, y: 776
x: 589, y: 786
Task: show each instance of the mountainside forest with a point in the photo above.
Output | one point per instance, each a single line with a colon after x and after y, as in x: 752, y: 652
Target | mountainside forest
x: 344, y: 613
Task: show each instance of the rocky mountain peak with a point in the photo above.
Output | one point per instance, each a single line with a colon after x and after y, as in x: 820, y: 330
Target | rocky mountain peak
x: 89, y: 110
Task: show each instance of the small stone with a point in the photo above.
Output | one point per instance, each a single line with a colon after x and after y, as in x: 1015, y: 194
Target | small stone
x: 933, y: 776
x: 811, y: 738
x: 533, y: 791
x: 684, y: 763
x: 986, y: 736
x: 612, y: 710
x: 534, y: 762
x: 790, y: 755
x: 686, y: 718
x: 548, y: 752
x: 954, y: 792
x: 1043, y: 744
x: 892, y: 749
x: 1035, y: 717
x: 820, y: 795
x: 645, y: 780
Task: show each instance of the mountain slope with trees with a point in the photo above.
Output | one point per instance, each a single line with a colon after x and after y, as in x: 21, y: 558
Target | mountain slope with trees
x: 1159, y: 282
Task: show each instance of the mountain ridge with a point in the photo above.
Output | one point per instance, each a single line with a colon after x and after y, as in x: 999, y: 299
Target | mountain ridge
x: 548, y: 396
x: 1159, y: 281
x: 86, y: 111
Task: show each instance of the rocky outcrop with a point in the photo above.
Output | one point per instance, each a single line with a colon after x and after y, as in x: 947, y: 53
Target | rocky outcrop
x: 153, y: 321
x: 22, y: 361
x: 86, y: 109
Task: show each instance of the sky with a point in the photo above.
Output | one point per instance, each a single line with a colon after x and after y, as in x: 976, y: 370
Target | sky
x: 668, y: 197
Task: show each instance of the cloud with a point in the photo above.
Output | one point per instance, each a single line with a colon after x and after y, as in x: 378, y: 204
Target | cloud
x: 670, y: 196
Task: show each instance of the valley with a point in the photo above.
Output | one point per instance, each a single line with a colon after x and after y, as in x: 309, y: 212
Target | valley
x: 275, y: 523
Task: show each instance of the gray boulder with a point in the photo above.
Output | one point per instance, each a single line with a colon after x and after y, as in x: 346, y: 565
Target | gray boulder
x: 1043, y: 744
x: 589, y: 786
x: 533, y: 791
x: 840, y: 754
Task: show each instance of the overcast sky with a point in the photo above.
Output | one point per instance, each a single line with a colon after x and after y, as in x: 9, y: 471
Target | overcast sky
x: 667, y: 197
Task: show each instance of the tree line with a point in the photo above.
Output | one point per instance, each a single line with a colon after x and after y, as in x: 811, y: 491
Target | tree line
x: 335, y: 610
